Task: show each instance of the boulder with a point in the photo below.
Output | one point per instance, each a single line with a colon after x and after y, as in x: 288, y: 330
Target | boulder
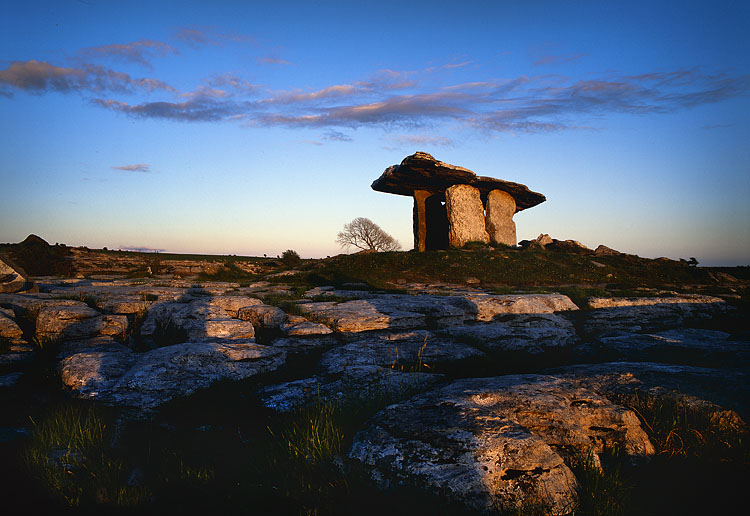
x: 122, y: 304
x: 263, y: 316
x: 679, y: 346
x: 354, y: 386
x: 499, y: 218
x: 603, y: 250
x: 722, y: 391
x: 233, y: 304
x: 528, y: 333
x: 11, y: 278
x: 361, y: 315
x: 541, y: 241
x: 486, y: 307
x: 644, y: 314
x: 148, y: 380
x: 496, y: 443
x: 76, y: 322
x: 9, y: 328
x: 102, y: 343
x: 302, y: 345
x: 410, y: 352
x: 192, y: 321
x: 568, y: 246
x: 465, y: 216
x: 298, y: 326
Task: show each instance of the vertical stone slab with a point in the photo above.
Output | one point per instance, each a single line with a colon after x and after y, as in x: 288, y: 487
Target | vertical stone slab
x: 465, y: 216
x: 499, y: 217
x: 420, y: 220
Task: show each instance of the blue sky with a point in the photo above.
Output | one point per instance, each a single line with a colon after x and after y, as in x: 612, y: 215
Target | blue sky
x: 255, y: 127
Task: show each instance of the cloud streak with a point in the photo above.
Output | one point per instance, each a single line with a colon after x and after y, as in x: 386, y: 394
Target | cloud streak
x: 141, y: 51
x: 138, y: 167
x: 558, y: 59
x: 387, y: 99
x: 529, y: 104
x: 41, y: 77
x: 202, y: 36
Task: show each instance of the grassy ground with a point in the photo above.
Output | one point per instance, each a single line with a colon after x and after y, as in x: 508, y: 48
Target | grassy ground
x: 507, y: 267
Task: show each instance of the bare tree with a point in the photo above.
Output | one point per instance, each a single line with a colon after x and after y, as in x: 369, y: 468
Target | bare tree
x: 363, y: 233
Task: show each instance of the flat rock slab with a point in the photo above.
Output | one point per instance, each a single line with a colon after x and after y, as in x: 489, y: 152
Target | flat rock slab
x: 198, y: 320
x: 698, y: 386
x: 409, y: 352
x: 682, y: 346
x: 355, y: 385
x: 361, y: 315
x: 303, y: 345
x: 648, y: 317
x: 486, y: 307
x: 233, y: 304
x: 9, y: 380
x: 76, y: 322
x: 528, y: 333
x: 263, y: 316
x: 28, y: 305
x: 101, y: 343
x: 298, y: 326
x: 615, y: 302
x: 147, y: 380
x: 19, y: 354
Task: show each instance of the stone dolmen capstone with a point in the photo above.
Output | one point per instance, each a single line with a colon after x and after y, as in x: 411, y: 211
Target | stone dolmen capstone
x: 453, y: 206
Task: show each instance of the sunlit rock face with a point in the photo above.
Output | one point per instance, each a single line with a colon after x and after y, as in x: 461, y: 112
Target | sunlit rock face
x: 499, y: 217
x: 76, y: 322
x: 465, y: 216
x: 11, y: 280
x: 147, y: 380
x: 496, y: 442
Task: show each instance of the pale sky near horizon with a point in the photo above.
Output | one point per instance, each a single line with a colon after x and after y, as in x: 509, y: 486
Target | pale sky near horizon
x: 253, y: 127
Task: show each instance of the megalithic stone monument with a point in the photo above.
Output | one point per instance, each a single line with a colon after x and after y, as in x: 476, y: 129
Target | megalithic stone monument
x: 453, y: 206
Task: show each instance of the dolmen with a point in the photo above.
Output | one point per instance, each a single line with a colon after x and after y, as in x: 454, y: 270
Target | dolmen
x: 454, y: 206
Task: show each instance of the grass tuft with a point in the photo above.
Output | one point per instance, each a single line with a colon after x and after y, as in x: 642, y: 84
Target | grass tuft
x: 68, y: 454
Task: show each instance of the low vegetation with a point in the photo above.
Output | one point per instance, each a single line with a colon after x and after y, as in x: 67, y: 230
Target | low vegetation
x: 290, y: 258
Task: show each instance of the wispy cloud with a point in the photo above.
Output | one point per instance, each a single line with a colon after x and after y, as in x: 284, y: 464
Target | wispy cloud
x: 389, y: 99
x: 420, y: 140
x: 40, y: 77
x: 138, y: 167
x: 448, y: 66
x: 710, y: 127
x: 196, y: 36
x: 337, y: 136
x: 542, y: 103
x: 141, y: 51
x: 273, y: 60
x: 198, y: 109
x: 557, y: 59
x: 202, y: 36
